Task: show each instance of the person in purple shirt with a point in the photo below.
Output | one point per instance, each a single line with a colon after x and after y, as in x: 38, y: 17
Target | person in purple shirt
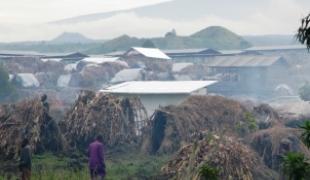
x: 96, y: 159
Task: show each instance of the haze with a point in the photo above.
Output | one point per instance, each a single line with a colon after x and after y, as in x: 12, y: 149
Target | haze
x: 29, y: 20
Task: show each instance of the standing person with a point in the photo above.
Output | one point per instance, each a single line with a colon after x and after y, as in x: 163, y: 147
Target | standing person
x: 25, y: 160
x: 96, y: 159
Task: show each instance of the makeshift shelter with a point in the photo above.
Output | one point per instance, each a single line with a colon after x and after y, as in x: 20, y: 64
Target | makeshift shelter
x: 231, y: 158
x: 172, y: 127
x: 119, y: 120
x: 152, y: 60
x: 27, y: 80
x: 128, y: 75
x: 271, y: 144
x: 27, y: 119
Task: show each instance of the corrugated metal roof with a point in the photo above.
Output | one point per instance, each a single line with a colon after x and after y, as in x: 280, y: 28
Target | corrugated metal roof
x: 243, y: 61
x: 158, y: 87
x: 100, y: 60
x: 150, y: 52
x: 177, y: 51
x: 20, y: 53
x: 274, y: 48
x: 228, y: 52
x: 116, y: 53
x: 193, y: 51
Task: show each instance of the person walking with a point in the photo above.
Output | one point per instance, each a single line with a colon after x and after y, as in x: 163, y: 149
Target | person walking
x: 96, y: 159
x: 25, y: 160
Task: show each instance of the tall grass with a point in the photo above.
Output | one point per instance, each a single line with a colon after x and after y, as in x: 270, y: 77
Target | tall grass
x: 128, y: 166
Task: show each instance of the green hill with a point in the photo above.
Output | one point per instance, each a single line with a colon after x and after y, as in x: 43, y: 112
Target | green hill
x: 212, y: 37
x: 69, y: 37
x: 219, y: 38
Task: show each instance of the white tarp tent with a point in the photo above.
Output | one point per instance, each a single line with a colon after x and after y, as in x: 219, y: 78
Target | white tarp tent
x: 128, y: 75
x: 28, y: 80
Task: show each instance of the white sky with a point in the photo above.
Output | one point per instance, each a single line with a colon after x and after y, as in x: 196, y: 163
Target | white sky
x: 30, y: 11
x: 25, y: 20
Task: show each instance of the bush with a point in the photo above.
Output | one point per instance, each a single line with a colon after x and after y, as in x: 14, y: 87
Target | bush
x: 305, y: 136
x: 295, y: 166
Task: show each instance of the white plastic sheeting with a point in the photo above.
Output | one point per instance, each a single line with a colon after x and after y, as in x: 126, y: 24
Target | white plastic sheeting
x: 100, y: 60
x: 64, y: 80
x: 149, y: 52
x: 51, y: 59
x: 11, y: 77
x: 182, y: 77
x: 128, y: 75
x: 28, y: 80
x: 177, y: 67
x: 158, y: 87
x: 71, y: 67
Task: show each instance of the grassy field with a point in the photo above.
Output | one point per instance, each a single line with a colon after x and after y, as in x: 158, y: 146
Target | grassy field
x: 130, y: 166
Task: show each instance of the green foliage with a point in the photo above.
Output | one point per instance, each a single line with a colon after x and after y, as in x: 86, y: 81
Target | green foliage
x: 206, y: 172
x: 295, y: 166
x: 305, y: 136
x: 304, y: 92
x: 303, y: 34
x: 249, y: 124
x: 5, y: 86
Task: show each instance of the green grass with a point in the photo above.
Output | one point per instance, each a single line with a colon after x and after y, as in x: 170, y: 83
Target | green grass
x: 130, y: 166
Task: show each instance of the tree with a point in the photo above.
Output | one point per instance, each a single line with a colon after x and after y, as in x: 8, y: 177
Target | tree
x: 5, y: 85
x: 295, y: 166
x: 148, y: 44
x: 305, y: 136
x: 303, y: 34
x: 172, y: 34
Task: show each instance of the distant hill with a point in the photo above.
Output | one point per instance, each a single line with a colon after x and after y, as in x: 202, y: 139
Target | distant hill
x: 271, y: 40
x: 219, y: 38
x: 215, y: 37
x: 69, y: 37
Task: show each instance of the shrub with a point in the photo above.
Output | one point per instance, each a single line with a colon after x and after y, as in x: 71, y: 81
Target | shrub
x: 295, y: 166
x: 305, y: 136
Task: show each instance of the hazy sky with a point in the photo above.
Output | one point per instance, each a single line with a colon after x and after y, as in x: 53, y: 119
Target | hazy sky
x: 30, y: 11
x: 24, y: 20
